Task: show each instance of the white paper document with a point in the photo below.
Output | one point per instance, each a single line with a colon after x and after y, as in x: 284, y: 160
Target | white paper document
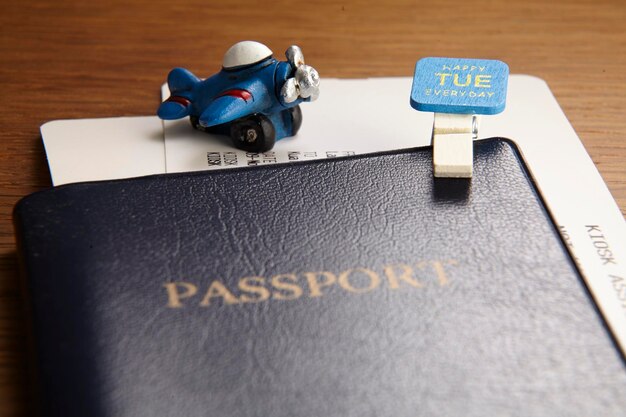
x: 103, y: 149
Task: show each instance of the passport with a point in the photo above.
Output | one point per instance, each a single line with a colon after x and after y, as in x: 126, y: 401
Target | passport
x: 354, y: 286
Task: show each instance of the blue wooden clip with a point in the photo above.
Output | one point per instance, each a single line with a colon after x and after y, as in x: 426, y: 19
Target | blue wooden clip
x: 457, y: 90
x: 459, y: 85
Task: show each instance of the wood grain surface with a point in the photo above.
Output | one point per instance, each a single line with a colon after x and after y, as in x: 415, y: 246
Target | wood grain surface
x: 78, y: 59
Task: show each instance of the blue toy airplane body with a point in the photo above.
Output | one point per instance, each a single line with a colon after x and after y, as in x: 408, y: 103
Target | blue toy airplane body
x: 250, y: 102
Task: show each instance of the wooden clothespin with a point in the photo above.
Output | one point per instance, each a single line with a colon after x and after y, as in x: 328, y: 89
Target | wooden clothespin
x: 457, y: 90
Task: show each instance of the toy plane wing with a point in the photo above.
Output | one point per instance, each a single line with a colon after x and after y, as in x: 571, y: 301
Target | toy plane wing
x: 228, y: 106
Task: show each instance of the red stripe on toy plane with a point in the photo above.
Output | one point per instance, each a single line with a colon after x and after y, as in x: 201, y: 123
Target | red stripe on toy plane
x: 180, y: 100
x: 242, y: 94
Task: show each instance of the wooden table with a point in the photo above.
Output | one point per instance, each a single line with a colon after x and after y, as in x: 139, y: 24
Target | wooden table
x: 67, y: 59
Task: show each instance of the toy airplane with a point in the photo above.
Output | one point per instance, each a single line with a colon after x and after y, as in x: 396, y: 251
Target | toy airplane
x: 254, y: 98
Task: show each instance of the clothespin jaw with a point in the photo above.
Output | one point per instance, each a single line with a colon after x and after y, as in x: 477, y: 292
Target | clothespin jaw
x: 457, y: 90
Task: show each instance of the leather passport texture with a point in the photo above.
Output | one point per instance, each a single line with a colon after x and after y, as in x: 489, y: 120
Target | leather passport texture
x: 357, y: 286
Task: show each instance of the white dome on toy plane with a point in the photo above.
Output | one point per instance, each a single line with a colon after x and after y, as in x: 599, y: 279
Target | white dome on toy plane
x: 245, y: 53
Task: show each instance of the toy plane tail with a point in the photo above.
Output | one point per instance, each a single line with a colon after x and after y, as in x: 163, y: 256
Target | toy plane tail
x: 180, y: 79
x: 178, y: 105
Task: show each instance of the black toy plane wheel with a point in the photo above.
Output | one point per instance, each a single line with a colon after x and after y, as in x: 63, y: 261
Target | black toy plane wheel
x: 195, y: 122
x: 296, y: 119
x: 254, y: 133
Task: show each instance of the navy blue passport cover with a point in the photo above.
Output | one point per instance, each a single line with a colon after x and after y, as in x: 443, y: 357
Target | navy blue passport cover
x: 357, y: 286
